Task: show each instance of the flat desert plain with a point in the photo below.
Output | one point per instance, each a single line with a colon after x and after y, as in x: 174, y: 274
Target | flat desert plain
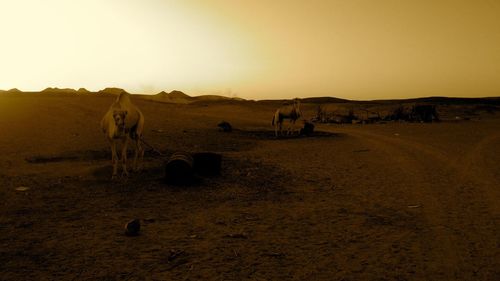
x: 391, y: 201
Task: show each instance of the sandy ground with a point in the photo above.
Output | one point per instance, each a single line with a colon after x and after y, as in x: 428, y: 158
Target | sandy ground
x: 393, y: 201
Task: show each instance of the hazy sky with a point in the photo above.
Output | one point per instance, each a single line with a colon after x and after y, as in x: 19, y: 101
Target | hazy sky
x: 358, y: 49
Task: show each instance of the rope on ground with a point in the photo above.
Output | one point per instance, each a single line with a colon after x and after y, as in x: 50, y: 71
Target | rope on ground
x: 152, y: 148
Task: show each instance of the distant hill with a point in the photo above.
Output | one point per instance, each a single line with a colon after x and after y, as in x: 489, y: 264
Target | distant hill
x: 211, y: 98
x: 172, y: 97
x: 58, y: 91
x: 177, y: 96
x: 446, y: 100
x: 11, y: 91
x: 323, y: 100
x: 83, y: 91
x: 14, y: 90
x: 111, y: 91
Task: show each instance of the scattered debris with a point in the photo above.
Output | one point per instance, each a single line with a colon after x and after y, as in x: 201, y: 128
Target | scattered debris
x: 424, y: 113
x: 415, y: 113
x: 22, y: 188
x: 174, y: 254
x: 274, y: 255
x: 133, y: 227
x: 225, y: 126
x: 237, y: 235
x: 177, y: 258
x: 220, y: 222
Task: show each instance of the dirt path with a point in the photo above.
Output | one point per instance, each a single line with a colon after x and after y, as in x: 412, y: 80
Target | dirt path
x: 459, y: 203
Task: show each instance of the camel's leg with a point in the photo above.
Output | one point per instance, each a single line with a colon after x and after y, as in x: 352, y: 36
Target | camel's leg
x: 124, y: 157
x: 293, y: 126
x: 276, y: 129
x: 114, y: 159
x: 139, y: 149
x: 139, y: 153
x: 290, y: 128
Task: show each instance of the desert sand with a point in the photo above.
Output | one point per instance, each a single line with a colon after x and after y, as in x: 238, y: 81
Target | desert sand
x: 390, y: 201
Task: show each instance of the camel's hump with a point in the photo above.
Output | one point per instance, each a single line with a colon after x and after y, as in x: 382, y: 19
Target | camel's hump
x: 124, y: 98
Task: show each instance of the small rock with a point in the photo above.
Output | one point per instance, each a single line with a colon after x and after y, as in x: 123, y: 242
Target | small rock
x: 133, y: 227
x: 225, y: 126
x: 22, y: 188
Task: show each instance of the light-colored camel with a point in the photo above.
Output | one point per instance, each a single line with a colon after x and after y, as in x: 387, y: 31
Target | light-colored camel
x: 291, y: 112
x: 121, y: 123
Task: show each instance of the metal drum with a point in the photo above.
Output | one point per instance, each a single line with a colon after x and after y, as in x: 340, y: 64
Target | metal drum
x: 179, y: 169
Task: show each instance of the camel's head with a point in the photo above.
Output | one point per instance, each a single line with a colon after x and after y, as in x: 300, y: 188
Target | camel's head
x: 119, y: 117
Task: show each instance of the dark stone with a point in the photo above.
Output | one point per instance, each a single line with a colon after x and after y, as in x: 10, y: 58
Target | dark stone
x: 133, y: 227
x: 225, y: 126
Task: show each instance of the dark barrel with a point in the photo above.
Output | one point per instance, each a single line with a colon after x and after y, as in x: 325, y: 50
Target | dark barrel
x: 179, y: 169
x: 207, y: 163
x: 308, y: 129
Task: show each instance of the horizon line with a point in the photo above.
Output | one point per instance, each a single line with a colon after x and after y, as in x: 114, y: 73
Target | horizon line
x: 83, y: 89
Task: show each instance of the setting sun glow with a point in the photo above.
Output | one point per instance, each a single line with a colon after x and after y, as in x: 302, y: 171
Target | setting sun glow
x: 359, y: 49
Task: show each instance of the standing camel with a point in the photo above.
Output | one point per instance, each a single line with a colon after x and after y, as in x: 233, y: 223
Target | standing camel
x: 291, y: 112
x: 123, y: 121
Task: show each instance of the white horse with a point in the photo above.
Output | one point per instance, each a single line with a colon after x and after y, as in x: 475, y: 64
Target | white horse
x: 291, y: 112
x: 123, y: 121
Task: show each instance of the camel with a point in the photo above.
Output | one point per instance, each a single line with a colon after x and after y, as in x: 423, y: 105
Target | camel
x: 121, y: 123
x: 291, y: 112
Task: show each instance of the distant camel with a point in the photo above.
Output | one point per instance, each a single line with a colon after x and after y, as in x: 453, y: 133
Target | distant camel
x: 291, y: 112
x: 123, y: 121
